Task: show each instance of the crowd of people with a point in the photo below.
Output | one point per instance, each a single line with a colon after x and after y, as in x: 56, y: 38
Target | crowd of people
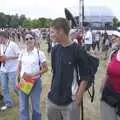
x: 73, y: 62
x: 19, y: 33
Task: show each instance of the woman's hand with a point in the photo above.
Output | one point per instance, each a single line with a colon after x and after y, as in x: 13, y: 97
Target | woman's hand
x: 43, y: 68
x: 28, y: 76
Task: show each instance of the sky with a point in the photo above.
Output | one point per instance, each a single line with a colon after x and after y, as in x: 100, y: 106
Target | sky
x: 53, y: 8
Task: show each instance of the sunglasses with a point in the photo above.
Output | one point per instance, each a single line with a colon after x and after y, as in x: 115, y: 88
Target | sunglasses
x: 29, y: 39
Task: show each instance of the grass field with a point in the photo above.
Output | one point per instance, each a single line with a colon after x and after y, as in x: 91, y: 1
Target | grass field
x: 92, y: 110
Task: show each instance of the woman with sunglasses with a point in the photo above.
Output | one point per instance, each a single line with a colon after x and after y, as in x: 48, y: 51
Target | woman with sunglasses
x: 32, y: 63
x: 110, y: 101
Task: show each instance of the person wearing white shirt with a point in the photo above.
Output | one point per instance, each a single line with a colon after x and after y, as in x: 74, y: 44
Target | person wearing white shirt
x: 32, y: 62
x: 9, y: 55
x: 88, y: 40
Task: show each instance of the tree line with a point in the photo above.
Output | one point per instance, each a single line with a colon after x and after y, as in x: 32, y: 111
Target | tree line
x: 16, y: 21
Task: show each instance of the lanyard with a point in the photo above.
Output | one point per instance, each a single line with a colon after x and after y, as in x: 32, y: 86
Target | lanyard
x: 4, y: 50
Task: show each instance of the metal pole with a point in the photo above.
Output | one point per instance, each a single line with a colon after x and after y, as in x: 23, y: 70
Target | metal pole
x: 81, y: 13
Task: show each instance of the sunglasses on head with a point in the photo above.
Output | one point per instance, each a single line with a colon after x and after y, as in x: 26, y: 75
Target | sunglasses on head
x: 29, y: 38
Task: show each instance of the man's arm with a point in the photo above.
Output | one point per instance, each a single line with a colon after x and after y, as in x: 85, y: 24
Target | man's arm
x: 11, y: 57
x: 80, y: 92
x: 5, y: 58
x: 82, y: 62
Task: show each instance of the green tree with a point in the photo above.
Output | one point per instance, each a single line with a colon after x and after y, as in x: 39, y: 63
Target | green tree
x: 115, y: 22
x: 34, y: 23
x: 48, y: 22
x: 43, y: 22
x: 14, y: 21
x: 118, y: 24
x: 8, y: 20
x: 22, y: 19
x: 2, y: 20
x: 27, y: 23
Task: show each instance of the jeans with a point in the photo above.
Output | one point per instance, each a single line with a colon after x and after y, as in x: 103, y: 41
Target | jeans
x: 5, y: 79
x: 35, y: 100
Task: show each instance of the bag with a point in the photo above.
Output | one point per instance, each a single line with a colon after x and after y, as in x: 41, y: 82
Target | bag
x: 109, y: 96
x: 26, y: 84
x: 93, y: 64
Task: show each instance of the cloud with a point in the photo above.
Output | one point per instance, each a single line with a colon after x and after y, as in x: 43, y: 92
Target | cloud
x: 51, y: 8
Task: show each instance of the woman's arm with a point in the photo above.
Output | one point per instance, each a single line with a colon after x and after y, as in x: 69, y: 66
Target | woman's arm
x: 43, y: 69
x: 43, y: 65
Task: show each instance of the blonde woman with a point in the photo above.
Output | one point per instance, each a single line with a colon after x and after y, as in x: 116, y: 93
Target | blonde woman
x: 32, y: 62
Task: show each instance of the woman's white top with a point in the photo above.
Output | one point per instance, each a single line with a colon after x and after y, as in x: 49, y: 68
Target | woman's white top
x: 30, y: 61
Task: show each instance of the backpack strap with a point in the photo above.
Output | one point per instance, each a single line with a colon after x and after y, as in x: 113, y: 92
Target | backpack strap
x: 92, y: 95
x: 90, y: 84
x: 38, y: 57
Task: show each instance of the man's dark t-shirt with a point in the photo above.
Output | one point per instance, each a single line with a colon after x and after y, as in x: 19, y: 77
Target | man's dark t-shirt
x: 63, y: 61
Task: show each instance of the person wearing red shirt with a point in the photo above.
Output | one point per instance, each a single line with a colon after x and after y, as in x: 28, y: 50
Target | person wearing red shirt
x: 110, y: 100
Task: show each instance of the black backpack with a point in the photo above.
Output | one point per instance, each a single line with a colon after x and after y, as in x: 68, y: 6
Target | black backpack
x: 93, y: 64
x: 92, y: 67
